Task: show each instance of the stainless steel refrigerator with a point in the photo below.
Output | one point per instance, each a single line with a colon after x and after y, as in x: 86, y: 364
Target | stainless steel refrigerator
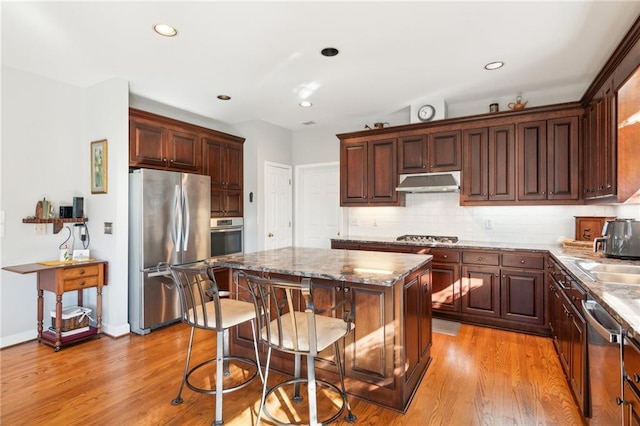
x: 169, y: 224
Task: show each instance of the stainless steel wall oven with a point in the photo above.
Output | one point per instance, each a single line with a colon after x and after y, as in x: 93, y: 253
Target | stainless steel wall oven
x: 227, y: 236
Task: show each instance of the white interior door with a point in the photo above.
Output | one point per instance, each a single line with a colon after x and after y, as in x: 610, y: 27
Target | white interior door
x: 318, y: 211
x: 277, y: 206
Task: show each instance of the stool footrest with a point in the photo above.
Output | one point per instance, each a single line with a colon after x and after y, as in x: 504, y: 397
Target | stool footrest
x: 298, y: 398
x: 209, y: 391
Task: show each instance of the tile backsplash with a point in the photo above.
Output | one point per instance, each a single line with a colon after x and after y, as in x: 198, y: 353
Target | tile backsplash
x: 441, y: 214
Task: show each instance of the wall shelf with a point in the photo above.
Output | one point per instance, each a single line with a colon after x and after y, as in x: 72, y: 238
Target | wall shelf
x: 57, y: 223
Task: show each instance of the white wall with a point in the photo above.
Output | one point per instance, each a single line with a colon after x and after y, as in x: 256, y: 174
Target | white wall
x: 264, y: 142
x: 108, y: 118
x: 47, y: 127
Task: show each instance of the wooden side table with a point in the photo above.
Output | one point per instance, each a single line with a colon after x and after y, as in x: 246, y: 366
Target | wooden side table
x: 59, y: 278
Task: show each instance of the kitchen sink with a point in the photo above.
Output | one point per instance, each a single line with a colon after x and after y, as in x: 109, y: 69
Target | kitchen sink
x: 611, y: 273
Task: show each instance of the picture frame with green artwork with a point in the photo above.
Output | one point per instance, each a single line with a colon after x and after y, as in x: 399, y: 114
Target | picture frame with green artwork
x: 99, y: 167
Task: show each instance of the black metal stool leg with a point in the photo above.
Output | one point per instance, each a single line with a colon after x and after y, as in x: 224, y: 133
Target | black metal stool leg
x: 178, y: 399
x: 350, y: 417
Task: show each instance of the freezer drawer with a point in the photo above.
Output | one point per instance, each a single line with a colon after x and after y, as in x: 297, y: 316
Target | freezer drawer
x: 155, y: 304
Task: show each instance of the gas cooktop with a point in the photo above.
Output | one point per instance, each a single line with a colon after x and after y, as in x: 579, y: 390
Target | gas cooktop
x: 428, y: 239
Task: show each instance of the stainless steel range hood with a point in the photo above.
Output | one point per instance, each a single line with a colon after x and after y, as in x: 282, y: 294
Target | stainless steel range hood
x: 430, y: 182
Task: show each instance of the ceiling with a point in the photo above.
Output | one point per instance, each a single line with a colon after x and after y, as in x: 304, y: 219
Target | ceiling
x: 266, y: 55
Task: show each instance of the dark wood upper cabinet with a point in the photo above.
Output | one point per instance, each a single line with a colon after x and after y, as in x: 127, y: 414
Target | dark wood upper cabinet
x: 412, y: 154
x: 563, y: 169
x: 432, y: 152
x: 445, y: 151
x: 369, y: 173
x: 610, y: 172
x: 222, y: 160
x: 489, y: 164
x: 163, y: 143
x: 160, y: 145
x: 548, y: 159
x: 532, y: 160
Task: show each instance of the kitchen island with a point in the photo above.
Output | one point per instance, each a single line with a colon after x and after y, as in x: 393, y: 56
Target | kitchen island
x: 388, y: 353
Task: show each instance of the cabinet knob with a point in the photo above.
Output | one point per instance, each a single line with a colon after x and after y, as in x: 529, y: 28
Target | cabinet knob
x: 424, y: 166
x: 81, y: 272
x: 619, y: 400
x: 504, y: 276
x: 338, y: 288
x: 82, y: 284
x: 432, y: 166
x: 346, y: 289
x: 479, y: 258
x: 636, y: 377
x: 522, y: 261
x: 164, y: 159
x: 444, y: 256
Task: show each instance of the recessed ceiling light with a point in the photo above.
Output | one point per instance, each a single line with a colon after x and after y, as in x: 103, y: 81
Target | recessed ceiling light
x: 494, y: 65
x: 165, y: 30
x: 329, y: 51
x: 224, y: 97
x: 305, y: 104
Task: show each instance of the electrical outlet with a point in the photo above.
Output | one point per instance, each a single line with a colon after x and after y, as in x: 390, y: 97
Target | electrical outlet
x: 108, y: 227
x: 41, y: 228
x: 488, y: 224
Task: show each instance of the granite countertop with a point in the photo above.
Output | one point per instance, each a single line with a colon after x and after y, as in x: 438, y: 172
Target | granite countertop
x: 622, y: 301
x: 377, y: 268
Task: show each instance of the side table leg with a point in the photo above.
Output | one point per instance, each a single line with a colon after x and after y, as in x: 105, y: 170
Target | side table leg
x: 58, y: 322
x: 99, y: 309
x: 40, y: 312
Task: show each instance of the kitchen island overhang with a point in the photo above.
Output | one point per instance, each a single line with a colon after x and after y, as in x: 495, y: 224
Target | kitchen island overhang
x: 389, y: 351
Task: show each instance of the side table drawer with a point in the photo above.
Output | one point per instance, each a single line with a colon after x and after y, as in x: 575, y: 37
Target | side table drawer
x: 80, y: 283
x: 80, y: 272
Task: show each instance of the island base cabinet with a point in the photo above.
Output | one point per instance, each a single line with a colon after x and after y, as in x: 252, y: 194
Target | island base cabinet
x: 388, y: 352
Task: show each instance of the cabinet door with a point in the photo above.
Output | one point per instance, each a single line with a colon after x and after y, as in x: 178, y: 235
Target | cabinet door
x: 607, y: 164
x: 502, y: 159
x: 480, y: 291
x: 578, y: 365
x: 562, y: 160
x: 532, y: 160
x: 353, y: 173
x: 147, y: 144
x: 475, y: 182
x: 184, y: 150
x: 522, y: 296
x: 382, y: 172
x: 425, y: 315
x: 412, y: 153
x: 445, y: 282
x: 213, y: 162
x: 226, y: 203
x: 234, y: 166
x: 444, y: 151
x: 411, y: 314
x: 631, y: 408
x: 374, y: 323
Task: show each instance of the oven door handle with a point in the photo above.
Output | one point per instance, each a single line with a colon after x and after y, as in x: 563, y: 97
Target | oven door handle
x: 610, y: 335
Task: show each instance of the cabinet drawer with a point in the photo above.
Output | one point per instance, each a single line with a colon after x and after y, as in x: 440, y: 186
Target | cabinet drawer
x: 445, y: 256
x: 480, y: 258
x: 80, y: 283
x: 523, y: 261
x: 80, y: 272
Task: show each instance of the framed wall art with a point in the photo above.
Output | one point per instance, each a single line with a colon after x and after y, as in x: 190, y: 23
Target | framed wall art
x: 99, y: 167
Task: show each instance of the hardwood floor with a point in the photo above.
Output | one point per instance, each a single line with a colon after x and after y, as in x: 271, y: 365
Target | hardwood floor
x: 480, y: 377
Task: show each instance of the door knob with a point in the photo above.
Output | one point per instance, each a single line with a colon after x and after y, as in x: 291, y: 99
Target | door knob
x: 269, y: 235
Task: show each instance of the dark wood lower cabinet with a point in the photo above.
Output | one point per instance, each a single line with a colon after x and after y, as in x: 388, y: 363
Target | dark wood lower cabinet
x: 388, y: 352
x: 569, y: 333
x: 522, y: 296
x: 480, y: 291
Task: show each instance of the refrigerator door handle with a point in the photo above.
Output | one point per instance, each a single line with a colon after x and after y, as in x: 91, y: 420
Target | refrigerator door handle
x: 187, y: 221
x: 176, y: 219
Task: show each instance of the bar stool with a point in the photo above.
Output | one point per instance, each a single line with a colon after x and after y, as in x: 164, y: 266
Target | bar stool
x: 203, y: 307
x: 283, y: 328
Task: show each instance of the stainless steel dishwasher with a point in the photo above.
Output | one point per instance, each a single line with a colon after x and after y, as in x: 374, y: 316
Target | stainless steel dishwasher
x: 604, y: 357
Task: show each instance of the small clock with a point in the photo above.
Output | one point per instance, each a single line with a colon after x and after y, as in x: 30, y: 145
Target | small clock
x: 426, y: 113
